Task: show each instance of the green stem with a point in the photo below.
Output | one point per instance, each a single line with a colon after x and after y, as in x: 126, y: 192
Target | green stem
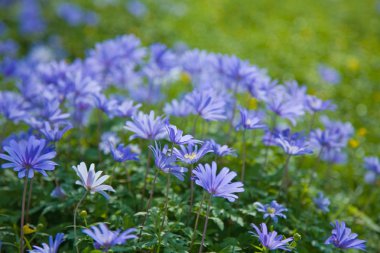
x: 29, y: 199
x: 196, y: 222
x: 244, y: 152
x: 165, y: 210
x: 75, y: 220
x: 146, y: 172
x: 285, y: 177
x: 274, y: 118
x: 205, y: 226
x: 191, y: 190
x: 23, y: 211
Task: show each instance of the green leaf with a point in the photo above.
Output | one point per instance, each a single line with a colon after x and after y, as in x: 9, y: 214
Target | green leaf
x: 218, y: 222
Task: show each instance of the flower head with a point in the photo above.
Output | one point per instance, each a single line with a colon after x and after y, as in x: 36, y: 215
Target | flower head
x: 314, y: 104
x: 52, y: 247
x: 292, y: 144
x: 322, y: 202
x: 343, y: 238
x: 147, y: 126
x: 273, y: 210
x: 372, y: 165
x: 250, y: 119
x: 329, y: 74
x: 220, y: 150
x: 271, y: 240
x: 123, y: 153
x: 217, y: 185
x: 58, y: 192
x: 92, y: 181
x: 190, y: 153
x: 56, y: 132
x: 176, y: 136
x: 207, y: 105
x: 105, y: 239
x: 29, y: 156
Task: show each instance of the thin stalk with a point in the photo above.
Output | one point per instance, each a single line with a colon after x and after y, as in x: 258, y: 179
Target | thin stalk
x: 75, y: 220
x: 196, y: 222
x: 195, y: 125
x: 23, y: 211
x: 313, y: 116
x: 191, y: 190
x: 311, y: 178
x: 29, y: 199
x: 205, y: 226
x: 285, y: 177
x: 244, y: 152
x: 149, y: 202
x: 233, y: 110
x: 113, y: 174
x: 146, y: 172
x: 270, y: 139
x: 165, y: 210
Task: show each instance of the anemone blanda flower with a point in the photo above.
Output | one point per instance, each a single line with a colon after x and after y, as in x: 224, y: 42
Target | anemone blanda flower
x: 54, y: 133
x: 107, y: 139
x: 207, y: 105
x: 147, y: 126
x: 52, y: 247
x: 273, y: 210
x: 29, y: 156
x: 123, y: 153
x: 292, y: 144
x: 92, y: 181
x: 322, y: 202
x: 105, y: 239
x: 166, y: 162
x: 176, y: 136
x: 314, y: 104
x: 220, y: 150
x: 271, y: 240
x: 372, y: 165
x: 250, y: 119
x: 178, y: 109
x: 58, y: 192
x: 191, y: 153
x: 217, y: 185
x: 343, y: 238
x: 329, y: 74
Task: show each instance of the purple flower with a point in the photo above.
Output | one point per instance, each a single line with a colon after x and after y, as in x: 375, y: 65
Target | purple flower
x: 136, y: 8
x: 271, y: 240
x: 125, y: 109
x: 343, y: 238
x: 217, y: 185
x: 207, y: 105
x: 54, y: 134
x: 74, y: 15
x: 272, y: 210
x: 372, y: 165
x: 334, y: 155
x: 191, y: 154
x: 92, y: 181
x: 178, y: 109
x: 122, y: 153
x: 166, y: 162
x: 58, y: 192
x: 8, y: 48
x: 52, y: 247
x: 105, y: 239
x: 107, y: 139
x: 322, y: 202
x: 292, y: 144
x: 147, y: 126
x: 220, y: 150
x: 29, y: 156
x: 250, y: 119
x: 329, y: 74
x: 12, y: 106
x: 314, y: 104
x: 31, y: 20
x: 176, y: 136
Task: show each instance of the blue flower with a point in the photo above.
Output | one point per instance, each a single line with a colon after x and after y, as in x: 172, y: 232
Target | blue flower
x: 166, y: 162
x: 147, y: 126
x: 343, y: 238
x: 105, y: 239
x: 29, y: 156
x: 52, y: 247
x: 220, y: 150
x: 315, y: 104
x: 178, y: 109
x: 12, y: 106
x: 207, y: 105
x: 272, y: 210
x: 372, y: 165
x: 322, y: 202
x: 217, y: 185
x: 329, y: 74
x: 136, y: 8
x: 271, y: 240
x: 54, y: 134
x: 250, y: 119
x: 58, y: 192
x: 31, y: 20
x: 292, y: 144
x: 176, y: 136
x: 191, y: 154
x: 123, y: 153
x: 107, y: 139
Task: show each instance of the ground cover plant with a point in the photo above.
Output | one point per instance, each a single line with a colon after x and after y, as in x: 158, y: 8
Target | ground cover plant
x: 111, y: 144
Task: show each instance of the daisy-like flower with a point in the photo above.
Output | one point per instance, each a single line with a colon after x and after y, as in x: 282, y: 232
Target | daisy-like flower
x: 191, y: 154
x: 105, y: 239
x: 92, y: 181
x: 176, y: 136
x: 343, y: 238
x: 250, y: 119
x: 217, y: 185
x: 372, y: 165
x: 292, y: 144
x: 273, y: 210
x: 221, y: 150
x: 147, y: 126
x: 166, y: 163
x: 314, y: 104
x: 329, y: 74
x: 207, y: 105
x: 29, y: 156
x: 123, y: 153
x: 52, y: 247
x: 271, y: 240
x: 322, y: 202
x: 56, y: 132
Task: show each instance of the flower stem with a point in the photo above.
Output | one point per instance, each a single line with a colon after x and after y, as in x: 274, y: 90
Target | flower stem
x: 146, y: 172
x: 191, y: 190
x: 29, y: 199
x: 165, y: 210
x: 205, y: 226
x: 75, y: 220
x: 23, y: 211
x: 274, y: 119
x: 285, y: 177
x: 195, y: 125
x: 196, y: 222
x: 244, y: 152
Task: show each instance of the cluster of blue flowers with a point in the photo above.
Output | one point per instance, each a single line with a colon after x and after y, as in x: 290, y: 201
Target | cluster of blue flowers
x: 52, y: 98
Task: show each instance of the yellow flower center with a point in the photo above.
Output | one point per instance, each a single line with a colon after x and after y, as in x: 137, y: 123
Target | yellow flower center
x: 191, y: 156
x: 271, y: 210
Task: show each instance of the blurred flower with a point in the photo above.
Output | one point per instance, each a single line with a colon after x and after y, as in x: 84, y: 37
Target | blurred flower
x: 30, y: 17
x: 343, y: 238
x: 147, y: 126
x: 12, y: 106
x: 329, y: 74
x: 271, y: 241
x: 334, y: 156
x: 136, y: 8
x: 372, y: 165
x: 54, y: 134
x: 292, y: 144
x: 8, y: 48
x: 58, y: 192
x: 322, y: 202
x: 315, y: 104
x: 74, y: 15
x: 107, y: 139
x: 250, y: 119
x: 92, y: 181
x: 122, y: 153
x: 272, y: 210
x: 217, y: 185
x: 29, y: 156
x: 220, y: 150
x: 206, y: 105
x: 52, y: 247
x: 176, y: 136
x: 191, y: 154
x: 178, y: 109
x: 166, y: 163
x: 105, y: 239
x: 285, y: 106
